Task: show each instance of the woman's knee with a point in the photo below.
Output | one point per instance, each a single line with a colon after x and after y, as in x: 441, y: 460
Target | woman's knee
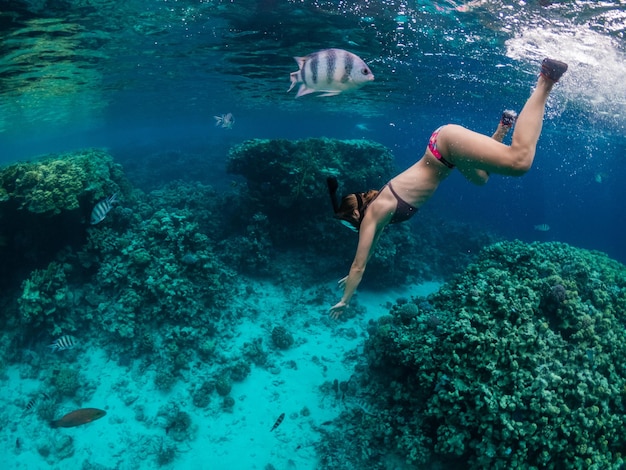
x: 521, y: 161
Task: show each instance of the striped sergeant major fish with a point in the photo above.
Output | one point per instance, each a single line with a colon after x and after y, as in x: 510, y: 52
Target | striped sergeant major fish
x: 63, y: 343
x: 33, y: 401
x: 101, y: 209
x: 330, y: 71
x: 542, y: 227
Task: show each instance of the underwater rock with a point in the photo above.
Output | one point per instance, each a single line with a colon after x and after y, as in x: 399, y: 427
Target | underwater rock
x: 57, y: 184
x: 254, y: 351
x: 164, y: 379
x: 166, y: 452
x: 281, y: 338
x: 407, y: 312
x: 54, y: 450
x: 176, y: 422
x: 201, y: 397
x: 508, y: 379
x: 284, y: 207
x: 558, y: 293
x: 228, y: 403
x: 240, y: 371
x: 45, y: 206
x: 283, y: 174
x: 286, y: 179
x: 223, y: 385
x: 66, y: 381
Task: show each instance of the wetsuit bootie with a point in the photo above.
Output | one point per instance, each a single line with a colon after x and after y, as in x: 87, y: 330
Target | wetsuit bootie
x: 553, y: 69
x: 508, y: 118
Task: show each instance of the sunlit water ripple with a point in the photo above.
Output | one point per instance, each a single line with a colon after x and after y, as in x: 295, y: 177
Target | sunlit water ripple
x: 69, y: 64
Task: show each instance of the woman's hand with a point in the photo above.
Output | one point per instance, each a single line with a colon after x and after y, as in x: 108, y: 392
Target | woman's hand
x: 337, y: 309
x: 342, y: 282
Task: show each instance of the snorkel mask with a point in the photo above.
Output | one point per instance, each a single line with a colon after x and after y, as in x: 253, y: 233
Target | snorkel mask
x: 333, y: 185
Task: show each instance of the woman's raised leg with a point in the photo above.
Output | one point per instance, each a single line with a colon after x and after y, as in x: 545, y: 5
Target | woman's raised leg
x: 464, y: 147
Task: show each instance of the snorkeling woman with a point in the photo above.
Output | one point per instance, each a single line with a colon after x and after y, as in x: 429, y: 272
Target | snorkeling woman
x: 451, y: 146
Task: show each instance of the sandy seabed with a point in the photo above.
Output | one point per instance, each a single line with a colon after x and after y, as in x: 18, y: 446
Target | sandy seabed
x: 239, y: 438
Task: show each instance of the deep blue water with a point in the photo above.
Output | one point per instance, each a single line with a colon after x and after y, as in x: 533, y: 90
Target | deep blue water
x: 144, y: 76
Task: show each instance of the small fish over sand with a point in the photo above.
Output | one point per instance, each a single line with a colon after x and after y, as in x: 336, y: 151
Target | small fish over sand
x: 78, y: 417
x: 278, y: 421
x: 542, y: 227
x: 63, y: 343
x: 330, y: 72
x: 225, y: 121
x: 43, y: 396
x: 101, y: 209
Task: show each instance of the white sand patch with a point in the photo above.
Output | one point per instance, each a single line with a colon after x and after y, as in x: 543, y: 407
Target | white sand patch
x: 239, y: 439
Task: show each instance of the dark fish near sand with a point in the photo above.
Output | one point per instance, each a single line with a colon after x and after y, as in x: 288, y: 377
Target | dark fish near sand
x: 63, y: 343
x: 101, y: 209
x: 330, y: 71
x: 278, y: 421
x: 78, y: 417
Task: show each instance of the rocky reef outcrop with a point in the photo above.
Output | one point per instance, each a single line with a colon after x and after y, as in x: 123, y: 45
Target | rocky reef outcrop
x: 519, y: 362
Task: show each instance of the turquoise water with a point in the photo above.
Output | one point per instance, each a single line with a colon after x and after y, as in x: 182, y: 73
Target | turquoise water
x: 144, y: 80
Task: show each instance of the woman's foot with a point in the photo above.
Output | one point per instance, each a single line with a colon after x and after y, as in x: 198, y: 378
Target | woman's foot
x: 553, y: 69
x: 508, y: 118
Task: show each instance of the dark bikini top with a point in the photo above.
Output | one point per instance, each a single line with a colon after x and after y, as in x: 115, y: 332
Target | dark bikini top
x: 404, y: 210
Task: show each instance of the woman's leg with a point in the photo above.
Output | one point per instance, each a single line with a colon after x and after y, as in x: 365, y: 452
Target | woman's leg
x: 464, y: 147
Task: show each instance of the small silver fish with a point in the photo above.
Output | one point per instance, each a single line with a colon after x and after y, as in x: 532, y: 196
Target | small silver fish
x: 330, y: 71
x: 101, y: 209
x: 542, y: 227
x: 225, y: 121
x: 63, y: 343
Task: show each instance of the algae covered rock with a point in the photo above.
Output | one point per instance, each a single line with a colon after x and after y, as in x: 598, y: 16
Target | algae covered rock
x: 288, y: 171
x: 526, y: 366
x: 284, y: 205
x: 285, y: 174
x: 282, y: 338
x: 45, y: 206
x: 284, y: 202
x: 59, y: 183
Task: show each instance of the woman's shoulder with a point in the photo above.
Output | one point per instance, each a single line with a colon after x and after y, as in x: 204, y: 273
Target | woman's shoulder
x: 383, y: 204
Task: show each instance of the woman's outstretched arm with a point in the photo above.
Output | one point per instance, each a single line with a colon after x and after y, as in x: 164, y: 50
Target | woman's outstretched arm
x: 368, y: 238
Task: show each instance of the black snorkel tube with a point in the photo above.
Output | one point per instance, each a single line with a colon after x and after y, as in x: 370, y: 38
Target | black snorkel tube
x: 333, y: 185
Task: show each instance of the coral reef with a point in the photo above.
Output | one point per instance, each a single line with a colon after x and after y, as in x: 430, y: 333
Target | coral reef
x: 223, y: 385
x: 150, y: 280
x: 284, y: 174
x: 58, y: 184
x: 166, y: 452
x: 287, y: 182
x: 45, y: 205
x: 239, y: 371
x: 155, y: 281
x: 285, y: 205
x: 56, y: 448
x: 518, y: 362
x: 201, y: 396
x: 282, y: 338
x: 66, y: 381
